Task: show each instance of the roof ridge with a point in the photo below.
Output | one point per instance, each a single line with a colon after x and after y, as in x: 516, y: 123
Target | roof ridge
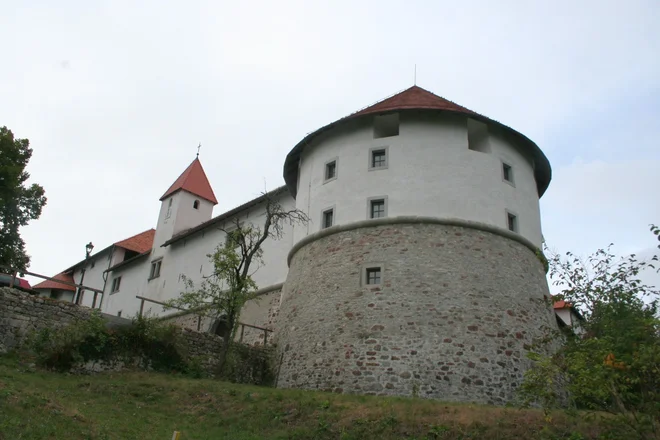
x: 380, y: 100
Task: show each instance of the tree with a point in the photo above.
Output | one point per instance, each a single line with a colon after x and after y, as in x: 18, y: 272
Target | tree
x: 19, y: 203
x: 223, y: 294
x: 614, y: 365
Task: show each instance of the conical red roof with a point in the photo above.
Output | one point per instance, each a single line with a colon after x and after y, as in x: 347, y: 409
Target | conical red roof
x: 413, y: 98
x: 193, y: 180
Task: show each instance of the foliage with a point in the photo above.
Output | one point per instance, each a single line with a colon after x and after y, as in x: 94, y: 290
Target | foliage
x: 612, y: 362
x: 148, y: 405
x: 223, y: 294
x: 18, y: 203
x: 145, y: 342
x: 543, y: 260
x: 249, y: 365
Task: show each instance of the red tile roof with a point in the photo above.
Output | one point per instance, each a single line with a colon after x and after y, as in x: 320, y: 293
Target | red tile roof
x: 48, y: 284
x: 413, y: 98
x: 562, y: 305
x: 140, y: 243
x: 193, y: 180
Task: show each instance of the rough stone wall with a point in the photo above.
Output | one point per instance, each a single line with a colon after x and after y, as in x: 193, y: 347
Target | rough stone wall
x: 190, y: 321
x: 261, y: 312
x: 22, y: 313
x: 452, y: 320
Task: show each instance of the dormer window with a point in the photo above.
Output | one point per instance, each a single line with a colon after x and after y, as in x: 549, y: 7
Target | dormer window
x: 386, y: 126
x: 196, y: 204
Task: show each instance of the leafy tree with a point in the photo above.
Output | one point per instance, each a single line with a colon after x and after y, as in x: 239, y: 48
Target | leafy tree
x: 19, y: 203
x: 223, y: 294
x: 614, y: 364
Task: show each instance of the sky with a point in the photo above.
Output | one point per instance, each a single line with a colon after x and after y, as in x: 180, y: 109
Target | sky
x: 115, y: 96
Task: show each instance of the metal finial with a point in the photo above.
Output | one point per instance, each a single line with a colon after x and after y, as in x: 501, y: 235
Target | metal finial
x: 198, y: 147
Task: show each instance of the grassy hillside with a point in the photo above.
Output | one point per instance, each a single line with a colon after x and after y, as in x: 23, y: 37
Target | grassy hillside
x: 42, y: 405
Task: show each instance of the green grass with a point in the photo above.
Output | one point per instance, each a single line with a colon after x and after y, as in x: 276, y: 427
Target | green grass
x: 37, y: 404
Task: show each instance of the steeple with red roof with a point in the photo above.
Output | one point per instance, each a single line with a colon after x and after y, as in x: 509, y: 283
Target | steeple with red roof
x: 193, y: 180
x: 187, y: 203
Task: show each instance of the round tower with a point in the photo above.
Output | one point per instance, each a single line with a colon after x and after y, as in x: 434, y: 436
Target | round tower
x: 418, y: 273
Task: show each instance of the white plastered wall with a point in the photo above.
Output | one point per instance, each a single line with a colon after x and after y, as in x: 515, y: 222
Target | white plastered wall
x: 431, y: 172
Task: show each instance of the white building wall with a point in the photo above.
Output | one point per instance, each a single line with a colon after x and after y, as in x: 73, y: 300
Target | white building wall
x: 94, y: 275
x: 186, y: 215
x: 189, y: 257
x: 133, y: 280
x: 431, y: 172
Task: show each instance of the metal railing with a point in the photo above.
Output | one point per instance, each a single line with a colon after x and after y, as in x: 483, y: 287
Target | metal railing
x: 199, y: 318
x: 14, y: 275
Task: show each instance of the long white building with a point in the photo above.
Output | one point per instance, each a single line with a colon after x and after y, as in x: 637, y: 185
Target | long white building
x: 425, y: 229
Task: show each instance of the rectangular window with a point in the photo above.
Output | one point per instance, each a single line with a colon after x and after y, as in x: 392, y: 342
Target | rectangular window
x: 386, y: 125
x: 377, y: 208
x: 373, y: 275
x: 328, y: 218
x: 378, y: 158
x: 507, y: 172
x: 478, y: 136
x: 512, y: 222
x: 115, y: 285
x: 155, y: 269
x: 119, y: 314
x: 330, y: 170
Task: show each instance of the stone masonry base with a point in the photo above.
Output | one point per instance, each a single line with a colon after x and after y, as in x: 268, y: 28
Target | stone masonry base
x: 453, y: 318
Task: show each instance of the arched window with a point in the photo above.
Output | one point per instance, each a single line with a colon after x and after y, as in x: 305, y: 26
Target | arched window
x: 196, y: 204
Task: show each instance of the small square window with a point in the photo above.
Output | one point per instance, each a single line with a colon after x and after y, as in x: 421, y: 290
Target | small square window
x: 115, y: 285
x: 330, y: 170
x: 155, y: 269
x: 378, y: 159
x: 507, y: 172
x: 373, y: 275
x: 328, y: 218
x: 512, y: 222
x: 377, y: 208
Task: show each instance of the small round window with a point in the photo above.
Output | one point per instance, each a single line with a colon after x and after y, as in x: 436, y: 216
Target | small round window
x: 196, y: 204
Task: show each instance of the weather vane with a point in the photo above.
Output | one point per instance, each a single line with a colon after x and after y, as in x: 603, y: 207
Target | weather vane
x: 198, y: 147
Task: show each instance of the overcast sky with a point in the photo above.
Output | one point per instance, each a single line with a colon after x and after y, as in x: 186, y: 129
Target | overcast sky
x: 114, y: 97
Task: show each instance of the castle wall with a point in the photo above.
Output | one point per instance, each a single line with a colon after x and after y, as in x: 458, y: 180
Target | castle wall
x: 430, y: 172
x: 451, y: 320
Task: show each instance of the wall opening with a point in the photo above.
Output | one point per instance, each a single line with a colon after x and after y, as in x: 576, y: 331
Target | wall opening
x: 386, y: 126
x: 196, y: 204
x: 221, y: 327
x: 478, y: 136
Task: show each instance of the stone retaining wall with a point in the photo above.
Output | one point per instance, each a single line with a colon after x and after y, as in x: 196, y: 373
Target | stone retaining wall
x: 453, y: 318
x: 21, y: 314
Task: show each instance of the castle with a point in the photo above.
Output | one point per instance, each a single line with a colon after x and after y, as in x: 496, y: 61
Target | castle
x: 419, y: 271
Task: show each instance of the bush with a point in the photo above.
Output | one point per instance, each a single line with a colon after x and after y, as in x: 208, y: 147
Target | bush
x: 145, y: 343
x: 249, y: 365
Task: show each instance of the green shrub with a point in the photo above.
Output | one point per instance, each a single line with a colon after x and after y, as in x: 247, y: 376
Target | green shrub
x: 145, y: 343
x: 249, y: 365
